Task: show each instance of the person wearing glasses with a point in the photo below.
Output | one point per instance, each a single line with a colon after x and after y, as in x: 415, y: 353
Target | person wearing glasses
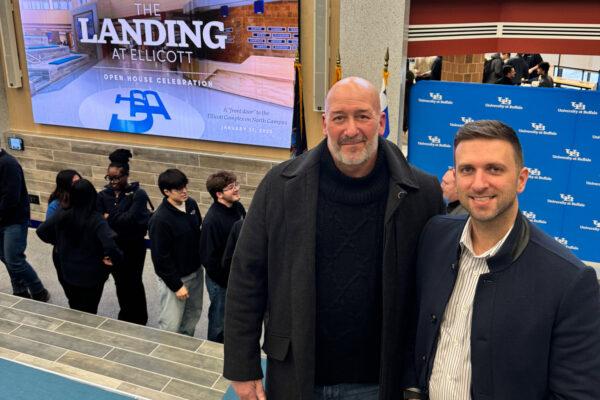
x: 174, y: 244
x: 124, y: 205
x: 220, y: 217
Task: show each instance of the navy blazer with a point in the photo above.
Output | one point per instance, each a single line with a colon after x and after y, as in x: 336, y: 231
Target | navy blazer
x: 536, y: 315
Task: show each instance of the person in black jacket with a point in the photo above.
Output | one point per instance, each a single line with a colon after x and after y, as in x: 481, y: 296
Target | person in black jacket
x: 14, y: 220
x: 58, y: 199
x: 521, y: 68
x: 124, y: 205
x: 222, y: 214
x: 86, y: 246
x: 174, y: 245
x: 508, y: 72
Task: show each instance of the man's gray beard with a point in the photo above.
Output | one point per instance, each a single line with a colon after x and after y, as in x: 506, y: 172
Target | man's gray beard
x: 366, y: 154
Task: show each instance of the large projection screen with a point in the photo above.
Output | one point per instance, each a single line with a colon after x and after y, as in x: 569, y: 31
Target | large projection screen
x: 197, y: 69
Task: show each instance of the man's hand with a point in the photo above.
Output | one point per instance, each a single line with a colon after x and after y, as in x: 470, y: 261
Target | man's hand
x: 249, y: 390
x: 107, y: 261
x: 182, y: 293
x: 105, y: 215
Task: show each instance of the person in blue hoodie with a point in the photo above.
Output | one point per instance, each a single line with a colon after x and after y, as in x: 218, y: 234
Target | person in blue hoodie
x: 125, y: 206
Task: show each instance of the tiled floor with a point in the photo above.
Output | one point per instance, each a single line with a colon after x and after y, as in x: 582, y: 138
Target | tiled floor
x: 140, y: 361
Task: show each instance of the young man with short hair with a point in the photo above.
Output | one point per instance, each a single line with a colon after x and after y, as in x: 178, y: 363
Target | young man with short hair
x: 174, y: 237
x: 544, y: 78
x: 505, y: 311
x: 220, y: 217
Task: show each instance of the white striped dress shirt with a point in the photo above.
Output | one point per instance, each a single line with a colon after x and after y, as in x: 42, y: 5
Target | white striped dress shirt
x: 451, y: 375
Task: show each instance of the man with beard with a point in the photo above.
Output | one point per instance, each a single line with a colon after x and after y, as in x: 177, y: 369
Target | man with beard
x: 505, y: 311
x: 326, y: 257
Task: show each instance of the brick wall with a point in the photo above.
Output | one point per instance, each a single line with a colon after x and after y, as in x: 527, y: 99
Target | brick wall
x: 463, y: 68
x: 45, y: 155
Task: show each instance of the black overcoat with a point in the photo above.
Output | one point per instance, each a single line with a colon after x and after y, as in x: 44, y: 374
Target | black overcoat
x: 273, y: 273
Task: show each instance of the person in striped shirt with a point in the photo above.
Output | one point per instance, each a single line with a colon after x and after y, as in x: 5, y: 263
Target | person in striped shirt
x: 504, y: 311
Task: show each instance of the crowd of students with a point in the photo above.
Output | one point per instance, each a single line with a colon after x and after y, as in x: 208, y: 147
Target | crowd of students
x: 98, y: 234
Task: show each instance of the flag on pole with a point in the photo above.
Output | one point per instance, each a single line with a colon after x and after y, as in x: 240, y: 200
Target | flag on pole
x: 298, y: 141
x: 383, y: 94
x: 338, y: 69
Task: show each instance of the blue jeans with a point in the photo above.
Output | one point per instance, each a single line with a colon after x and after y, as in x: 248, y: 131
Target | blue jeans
x: 181, y: 316
x: 216, y: 311
x: 347, y: 391
x: 13, y: 240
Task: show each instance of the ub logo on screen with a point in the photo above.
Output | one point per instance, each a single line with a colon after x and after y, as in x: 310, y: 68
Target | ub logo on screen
x: 504, y: 103
x: 566, y: 200
x: 578, y: 106
x: 435, y: 98
x: 464, y: 120
x: 142, y: 104
x: 535, y: 173
x: 594, y: 227
x: 566, y: 197
x: 530, y: 215
x: 434, y: 141
x: 565, y: 243
x: 572, y: 153
x: 538, y: 127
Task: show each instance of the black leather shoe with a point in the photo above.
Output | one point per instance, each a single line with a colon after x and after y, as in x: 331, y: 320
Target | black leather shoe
x: 44, y: 296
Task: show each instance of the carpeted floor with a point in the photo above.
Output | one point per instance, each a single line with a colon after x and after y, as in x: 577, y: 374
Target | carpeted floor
x: 20, y: 382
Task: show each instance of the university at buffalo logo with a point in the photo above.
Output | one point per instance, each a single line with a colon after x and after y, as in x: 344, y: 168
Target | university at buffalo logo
x: 565, y: 243
x: 578, y: 106
x: 572, y: 153
x: 504, y: 101
x: 142, y: 104
x: 466, y: 120
x: 566, y: 197
x: 534, y: 172
x: 562, y: 241
x: 538, y: 127
x: 434, y: 139
x: 435, y: 96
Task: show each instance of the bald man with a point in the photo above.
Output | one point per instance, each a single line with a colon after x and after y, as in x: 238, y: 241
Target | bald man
x: 326, y: 257
x: 448, y: 186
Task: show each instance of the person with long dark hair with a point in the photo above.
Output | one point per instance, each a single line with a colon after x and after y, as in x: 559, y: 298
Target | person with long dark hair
x: 58, y: 199
x: 86, y: 246
x: 124, y: 205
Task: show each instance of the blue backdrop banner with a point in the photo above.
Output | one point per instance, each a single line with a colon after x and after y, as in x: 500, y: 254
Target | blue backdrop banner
x: 559, y: 130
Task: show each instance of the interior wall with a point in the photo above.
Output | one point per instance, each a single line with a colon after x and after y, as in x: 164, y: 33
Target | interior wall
x: 21, y: 118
